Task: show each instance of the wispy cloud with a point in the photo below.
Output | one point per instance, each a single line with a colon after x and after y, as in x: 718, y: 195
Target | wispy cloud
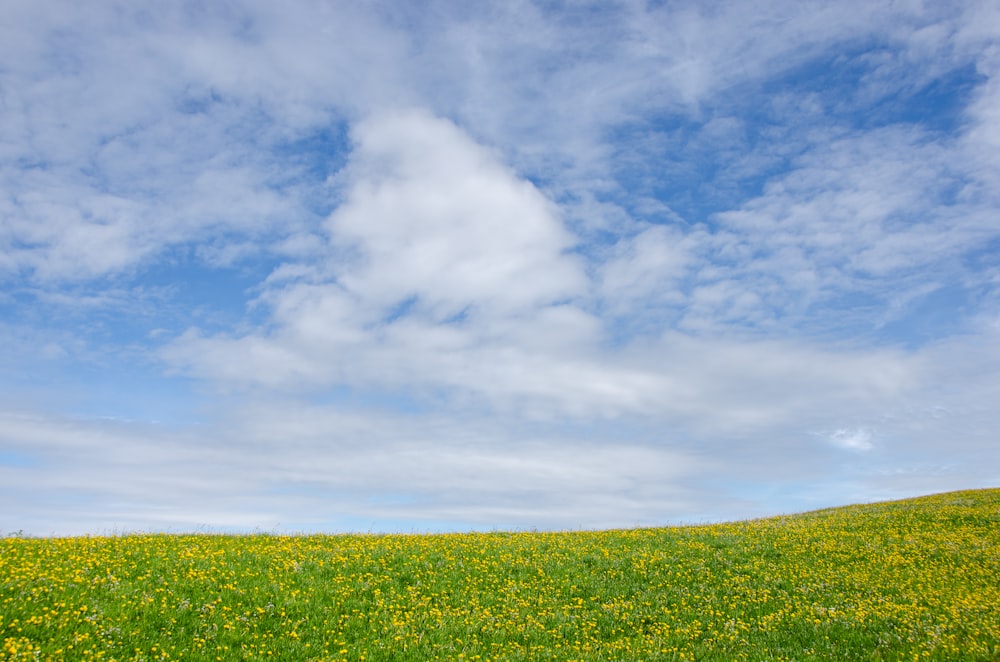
x: 853, y: 440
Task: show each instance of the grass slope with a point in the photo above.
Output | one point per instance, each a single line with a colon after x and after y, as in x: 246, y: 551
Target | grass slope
x: 915, y: 579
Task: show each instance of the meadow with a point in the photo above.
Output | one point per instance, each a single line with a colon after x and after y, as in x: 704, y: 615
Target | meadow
x: 906, y: 580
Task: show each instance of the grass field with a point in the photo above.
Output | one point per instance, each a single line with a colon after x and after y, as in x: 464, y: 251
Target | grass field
x: 907, y: 580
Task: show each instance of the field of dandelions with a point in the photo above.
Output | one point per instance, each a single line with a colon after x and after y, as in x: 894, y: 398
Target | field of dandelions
x: 907, y: 580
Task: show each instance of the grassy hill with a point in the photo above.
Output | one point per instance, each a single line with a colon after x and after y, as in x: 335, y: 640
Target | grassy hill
x: 916, y: 580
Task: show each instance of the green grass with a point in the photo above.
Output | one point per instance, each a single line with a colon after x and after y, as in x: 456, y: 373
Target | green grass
x: 913, y: 580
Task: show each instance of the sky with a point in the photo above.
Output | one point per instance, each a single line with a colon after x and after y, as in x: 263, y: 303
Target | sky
x: 335, y: 266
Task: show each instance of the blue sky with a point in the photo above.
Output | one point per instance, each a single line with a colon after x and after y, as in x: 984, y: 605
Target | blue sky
x: 339, y: 266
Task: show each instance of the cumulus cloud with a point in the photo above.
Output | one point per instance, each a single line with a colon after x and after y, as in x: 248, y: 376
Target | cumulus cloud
x: 443, y: 267
x: 436, y: 217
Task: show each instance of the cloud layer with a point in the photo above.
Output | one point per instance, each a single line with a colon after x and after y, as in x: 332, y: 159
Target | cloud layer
x: 348, y: 266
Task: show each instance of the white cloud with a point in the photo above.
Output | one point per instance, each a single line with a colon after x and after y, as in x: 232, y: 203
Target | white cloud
x: 434, y: 216
x: 446, y: 272
x: 329, y: 463
x: 858, y: 439
x: 865, y: 215
x: 274, y: 462
x: 585, y: 264
x: 440, y: 261
x: 648, y: 269
x: 126, y: 132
